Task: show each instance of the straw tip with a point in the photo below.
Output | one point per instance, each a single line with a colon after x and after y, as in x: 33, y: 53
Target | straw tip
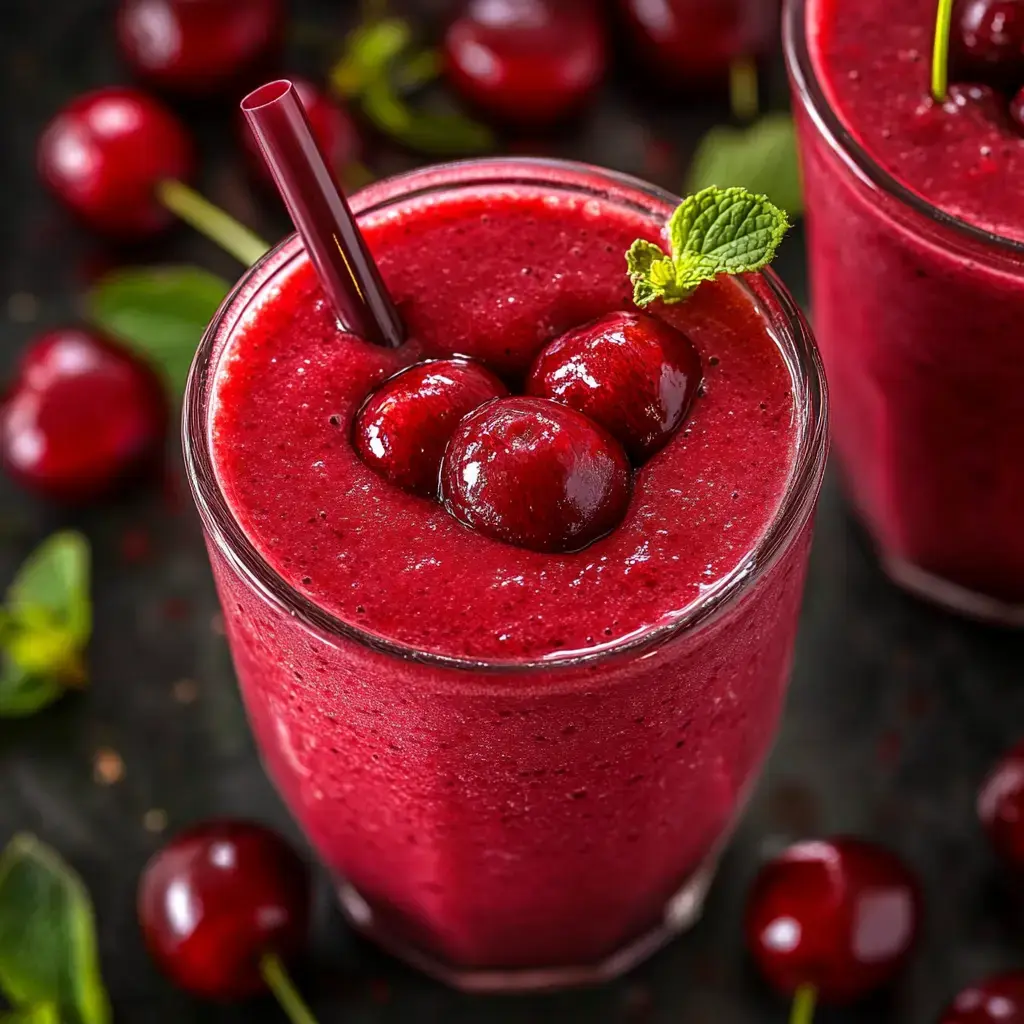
x: 267, y: 94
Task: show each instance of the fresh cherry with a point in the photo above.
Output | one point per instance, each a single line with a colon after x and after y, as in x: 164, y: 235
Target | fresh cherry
x: 996, y: 1000
x: 1001, y: 808
x: 539, y: 475
x: 987, y: 41
x: 529, y: 63
x: 198, y: 47
x: 632, y: 373
x: 833, y: 918
x: 403, y: 428
x: 334, y: 130
x: 220, y: 902
x: 82, y: 417
x: 105, y: 153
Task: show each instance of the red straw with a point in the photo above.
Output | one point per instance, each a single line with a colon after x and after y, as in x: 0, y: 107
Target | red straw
x: 322, y: 216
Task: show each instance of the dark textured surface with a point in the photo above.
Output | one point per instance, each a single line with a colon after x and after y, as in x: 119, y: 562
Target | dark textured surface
x: 896, y: 709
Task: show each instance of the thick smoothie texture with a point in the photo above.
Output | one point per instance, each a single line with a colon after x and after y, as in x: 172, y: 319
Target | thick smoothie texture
x: 919, y: 322
x: 494, y: 817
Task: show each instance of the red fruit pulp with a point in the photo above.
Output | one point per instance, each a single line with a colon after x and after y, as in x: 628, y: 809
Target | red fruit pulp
x: 996, y: 1000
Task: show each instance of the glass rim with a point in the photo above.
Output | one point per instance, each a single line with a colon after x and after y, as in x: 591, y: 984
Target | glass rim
x: 808, y: 87
x: 795, y: 507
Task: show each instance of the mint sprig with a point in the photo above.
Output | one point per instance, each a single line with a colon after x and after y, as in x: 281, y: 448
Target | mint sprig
x: 45, y: 626
x: 717, y: 231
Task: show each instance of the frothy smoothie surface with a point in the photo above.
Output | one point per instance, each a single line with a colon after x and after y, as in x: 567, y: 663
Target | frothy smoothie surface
x: 494, y: 274
x: 873, y: 58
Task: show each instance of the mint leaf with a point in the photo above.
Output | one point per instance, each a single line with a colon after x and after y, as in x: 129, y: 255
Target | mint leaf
x: 24, y: 693
x: 370, y: 49
x: 159, y: 312
x: 43, y: 1013
x: 47, y: 936
x: 762, y: 158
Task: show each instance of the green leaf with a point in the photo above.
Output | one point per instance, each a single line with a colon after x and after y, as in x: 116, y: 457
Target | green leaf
x: 23, y: 693
x: 653, y: 275
x: 159, y: 312
x: 42, y: 1013
x: 370, y: 49
x: 762, y: 158
x: 51, y: 589
x: 47, y: 935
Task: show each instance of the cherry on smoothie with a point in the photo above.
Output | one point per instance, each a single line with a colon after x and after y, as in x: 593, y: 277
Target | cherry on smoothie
x: 987, y: 41
x: 1001, y: 808
x: 833, y: 919
x: 535, y: 474
x: 104, y: 154
x: 219, y: 900
x: 529, y: 63
x: 403, y: 428
x: 81, y: 417
x: 633, y: 374
x: 197, y: 47
x: 996, y: 1000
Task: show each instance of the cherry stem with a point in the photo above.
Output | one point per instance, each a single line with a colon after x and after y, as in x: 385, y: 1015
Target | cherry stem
x: 744, y: 94
x: 211, y: 221
x: 276, y: 976
x: 804, y: 1002
x: 940, y: 54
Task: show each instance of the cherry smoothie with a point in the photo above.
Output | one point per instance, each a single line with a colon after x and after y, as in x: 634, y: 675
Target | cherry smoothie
x: 916, y: 236
x: 519, y: 764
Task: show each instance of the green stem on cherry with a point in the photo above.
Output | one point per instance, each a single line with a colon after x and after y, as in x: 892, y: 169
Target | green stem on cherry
x: 744, y: 91
x: 276, y: 976
x: 211, y: 221
x: 804, y: 1002
x: 940, y: 54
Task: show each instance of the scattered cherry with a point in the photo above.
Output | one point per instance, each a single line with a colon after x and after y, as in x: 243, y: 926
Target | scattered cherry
x: 987, y: 41
x: 1001, y: 808
x: 835, y: 917
x: 104, y: 155
x: 539, y: 475
x: 996, y: 1000
x: 633, y: 374
x: 198, y: 47
x: 403, y: 428
x: 220, y: 899
x: 529, y: 63
x: 82, y: 417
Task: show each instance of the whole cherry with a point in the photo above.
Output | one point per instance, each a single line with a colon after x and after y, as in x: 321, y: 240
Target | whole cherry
x: 832, y: 920
x: 105, y: 153
x: 996, y: 1000
x: 403, y: 428
x: 82, y: 417
x: 198, y: 47
x: 529, y: 63
x: 632, y: 373
x: 987, y: 41
x: 535, y: 474
x: 1001, y: 809
x: 223, y: 906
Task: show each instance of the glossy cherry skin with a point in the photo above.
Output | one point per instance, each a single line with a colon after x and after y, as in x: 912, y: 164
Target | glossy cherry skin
x: 1001, y: 808
x: 528, y: 63
x: 840, y: 914
x: 104, y: 155
x: 199, y: 47
x: 535, y: 474
x: 696, y: 41
x: 334, y: 130
x: 81, y: 417
x: 218, y: 898
x: 996, y: 1000
x: 633, y: 374
x: 987, y: 41
x: 403, y: 428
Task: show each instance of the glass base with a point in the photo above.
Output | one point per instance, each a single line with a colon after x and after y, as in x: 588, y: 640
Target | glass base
x: 953, y: 597
x: 682, y: 911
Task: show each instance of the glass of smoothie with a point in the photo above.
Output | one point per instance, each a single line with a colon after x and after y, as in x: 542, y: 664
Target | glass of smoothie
x: 519, y: 765
x: 915, y: 217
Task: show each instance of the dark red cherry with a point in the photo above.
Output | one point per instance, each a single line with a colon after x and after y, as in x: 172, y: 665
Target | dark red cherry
x: 198, y: 47
x: 334, y: 130
x: 529, y: 63
x: 996, y: 1000
x: 404, y: 427
x: 104, y: 155
x: 987, y: 41
x: 81, y: 417
x: 841, y: 915
x: 218, y: 899
x: 539, y: 475
x: 696, y: 41
x: 630, y: 372
x: 1017, y: 110
x: 1001, y: 808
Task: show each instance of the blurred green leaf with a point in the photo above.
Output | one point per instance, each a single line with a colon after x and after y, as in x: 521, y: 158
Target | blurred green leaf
x: 43, y: 1013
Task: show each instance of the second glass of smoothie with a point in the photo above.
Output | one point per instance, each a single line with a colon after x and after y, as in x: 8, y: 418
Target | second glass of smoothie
x: 519, y: 766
